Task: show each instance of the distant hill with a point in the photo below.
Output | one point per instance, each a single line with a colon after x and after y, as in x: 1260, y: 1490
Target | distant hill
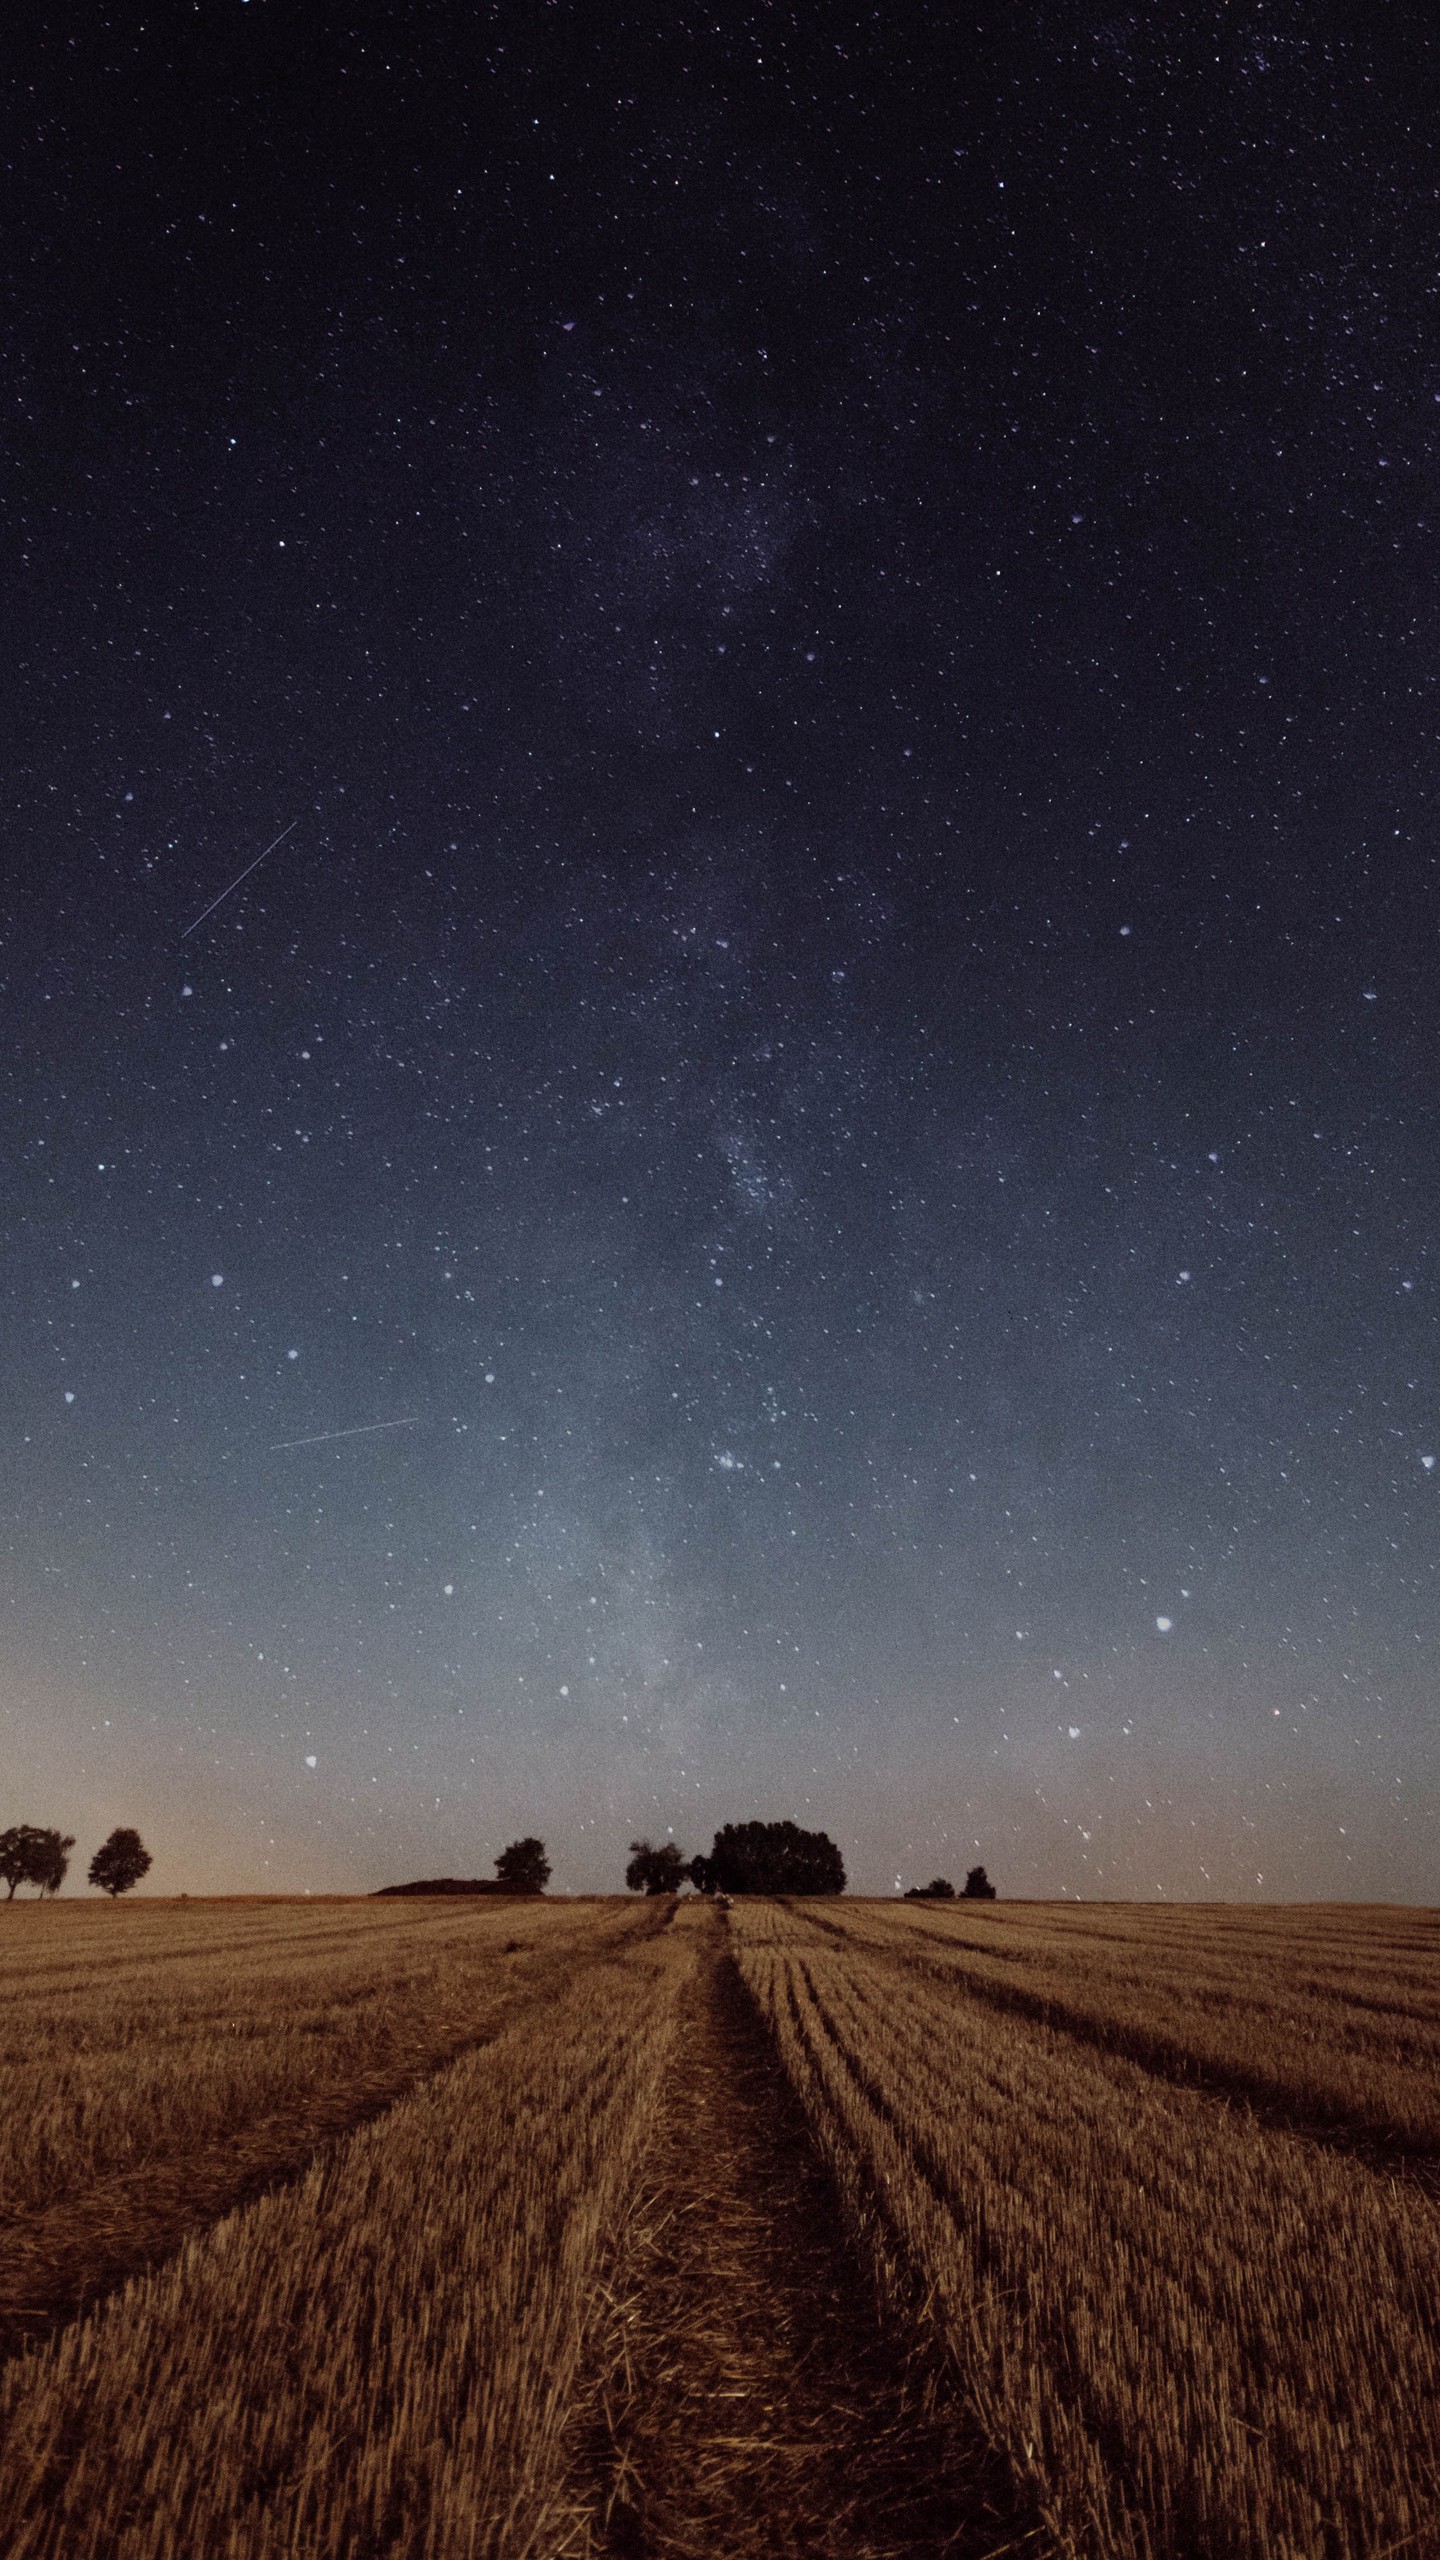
x: 460, y: 1884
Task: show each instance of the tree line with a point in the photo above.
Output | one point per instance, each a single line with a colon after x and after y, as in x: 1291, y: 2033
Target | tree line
x: 976, y: 1888
x: 744, y: 1857
x: 522, y: 1867
x: 770, y: 1857
x: 30, y: 1854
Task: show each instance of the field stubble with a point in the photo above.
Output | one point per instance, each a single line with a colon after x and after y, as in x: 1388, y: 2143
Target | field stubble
x: 1193, y: 2333
x: 577, y: 2291
x: 380, y: 2357
x: 1325, y: 2019
x: 748, y: 2401
x: 159, y: 2062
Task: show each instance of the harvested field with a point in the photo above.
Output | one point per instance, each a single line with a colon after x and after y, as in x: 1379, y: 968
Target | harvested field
x: 381, y: 2357
x: 1193, y: 2332
x: 626, y: 2232
x: 1326, y: 2019
x: 159, y: 2063
x: 751, y: 2401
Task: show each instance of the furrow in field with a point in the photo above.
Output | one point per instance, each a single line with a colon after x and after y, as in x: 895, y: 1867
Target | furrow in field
x: 255, y: 2110
x: 49, y: 1949
x: 122, y: 2067
x: 382, y: 2357
x: 1272, y: 2098
x: 1189, y: 2334
x: 749, y: 2401
x: 1324, y: 2070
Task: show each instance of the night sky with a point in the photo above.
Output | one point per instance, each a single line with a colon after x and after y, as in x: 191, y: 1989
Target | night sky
x: 808, y: 1183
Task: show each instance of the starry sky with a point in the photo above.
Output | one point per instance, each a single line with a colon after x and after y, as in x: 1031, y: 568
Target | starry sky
x: 806, y: 1184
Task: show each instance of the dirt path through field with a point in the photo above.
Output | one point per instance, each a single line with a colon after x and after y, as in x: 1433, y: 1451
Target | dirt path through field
x: 757, y: 2410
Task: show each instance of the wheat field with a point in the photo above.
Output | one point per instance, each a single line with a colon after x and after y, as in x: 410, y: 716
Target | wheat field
x: 130, y: 2032
x: 380, y: 2356
x: 1333, y: 2015
x: 161, y: 2061
x: 443, y: 2229
x: 1194, y: 2331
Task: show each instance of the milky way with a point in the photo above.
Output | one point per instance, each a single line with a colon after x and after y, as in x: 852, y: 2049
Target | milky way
x: 808, y: 1185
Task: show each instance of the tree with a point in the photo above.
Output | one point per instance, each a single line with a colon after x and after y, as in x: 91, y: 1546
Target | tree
x: 939, y: 1889
x: 661, y: 1870
x: 121, y: 1863
x: 978, y: 1887
x: 770, y: 1857
x: 523, y: 1867
x: 53, y: 1862
x: 15, y: 1856
x: 31, y: 1855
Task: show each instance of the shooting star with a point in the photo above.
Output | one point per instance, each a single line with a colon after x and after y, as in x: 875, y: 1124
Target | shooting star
x: 356, y: 1431
x: 245, y: 874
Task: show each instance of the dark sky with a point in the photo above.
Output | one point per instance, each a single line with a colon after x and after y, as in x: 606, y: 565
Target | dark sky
x: 841, y: 610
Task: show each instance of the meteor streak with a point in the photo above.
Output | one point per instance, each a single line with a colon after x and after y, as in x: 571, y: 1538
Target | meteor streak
x: 245, y: 874
x: 356, y: 1431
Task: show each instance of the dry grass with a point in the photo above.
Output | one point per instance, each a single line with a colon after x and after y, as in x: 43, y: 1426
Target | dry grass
x: 1191, y: 2333
x: 160, y: 2062
x: 380, y: 2358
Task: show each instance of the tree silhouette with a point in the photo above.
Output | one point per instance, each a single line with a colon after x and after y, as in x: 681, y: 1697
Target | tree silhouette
x: 651, y: 1870
x: 15, y: 1857
x: 32, y: 1855
x: 523, y: 1867
x: 978, y: 1887
x: 53, y: 1862
x: 939, y: 1889
x: 770, y: 1857
x: 121, y: 1863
